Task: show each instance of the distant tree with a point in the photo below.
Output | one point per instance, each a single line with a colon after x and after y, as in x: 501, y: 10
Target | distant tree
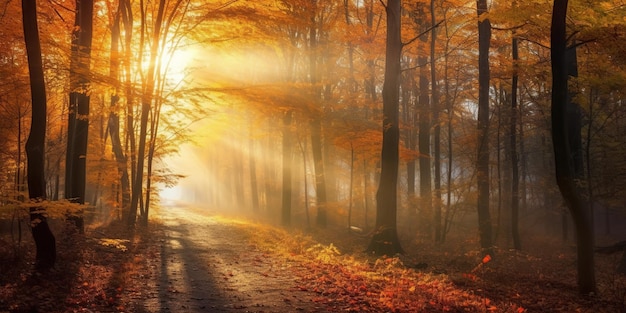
x: 563, y: 160
x: 517, y: 244
x: 321, y: 219
x: 286, y: 169
x: 44, y: 239
x: 385, y: 239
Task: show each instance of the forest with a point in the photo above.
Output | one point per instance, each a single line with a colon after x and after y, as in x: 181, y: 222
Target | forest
x: 312, y: 156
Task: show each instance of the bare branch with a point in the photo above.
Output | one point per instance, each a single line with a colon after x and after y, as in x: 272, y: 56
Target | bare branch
x: 423, y: 33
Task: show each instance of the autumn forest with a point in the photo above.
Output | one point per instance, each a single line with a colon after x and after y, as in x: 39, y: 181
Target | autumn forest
x: 313, y: 156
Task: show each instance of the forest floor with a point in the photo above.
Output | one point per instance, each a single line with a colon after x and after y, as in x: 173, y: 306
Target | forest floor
x: 190, y: 261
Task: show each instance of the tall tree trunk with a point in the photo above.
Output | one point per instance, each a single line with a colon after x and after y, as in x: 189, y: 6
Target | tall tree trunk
x: 127, y: 19
x: 425, y: 174
x: 517, y: 244
x: 35, y: 145
x: 409, y: 117
x: 316, y: 126
x: 563, y: 160
x: 78, y: 119
x: 385, y: 240
x: 482, y: 166
x: 114, y: 118
x: 437, y: 129
x: 450, y: 115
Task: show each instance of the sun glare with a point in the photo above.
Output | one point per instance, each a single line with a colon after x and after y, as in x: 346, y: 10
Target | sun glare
x: 176, y: 65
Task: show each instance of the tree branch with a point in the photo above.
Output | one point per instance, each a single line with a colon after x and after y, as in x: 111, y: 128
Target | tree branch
x: 422, y: 33
x: 384, y: 5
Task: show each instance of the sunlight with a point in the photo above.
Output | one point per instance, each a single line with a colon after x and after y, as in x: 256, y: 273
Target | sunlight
x: 174, y: 64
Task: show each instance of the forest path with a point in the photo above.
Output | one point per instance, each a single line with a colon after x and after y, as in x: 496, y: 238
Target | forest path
x: 204, y: 264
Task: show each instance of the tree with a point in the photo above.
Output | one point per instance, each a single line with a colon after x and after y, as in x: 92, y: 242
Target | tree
x: 44, y: 239
x: 316, y: 121
x: 513, y: 144
x: 482, y: 163
x: 563, y: 161
x: 287, y: 166
x: 385, y: 240
x: 78, y: 118
x: 437, y: 127
x: 114, y: 118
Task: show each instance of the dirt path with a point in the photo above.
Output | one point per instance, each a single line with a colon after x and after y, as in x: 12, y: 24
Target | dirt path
x: 204, y: 265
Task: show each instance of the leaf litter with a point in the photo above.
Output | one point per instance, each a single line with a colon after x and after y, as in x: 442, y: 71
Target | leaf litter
x: 324, y: 274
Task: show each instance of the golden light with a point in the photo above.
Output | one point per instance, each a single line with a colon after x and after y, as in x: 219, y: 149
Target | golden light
x: 175, y: 65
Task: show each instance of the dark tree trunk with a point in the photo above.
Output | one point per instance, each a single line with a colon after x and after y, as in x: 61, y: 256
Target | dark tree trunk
x: 482, y: 166
x: 425, y: 175
x: 35, y: 145
x: 517, y: 244
x: 127, y: 21
x: 437, y: 129
x: 564, y: 162
x: 78, y: 118
x: 385, y: 240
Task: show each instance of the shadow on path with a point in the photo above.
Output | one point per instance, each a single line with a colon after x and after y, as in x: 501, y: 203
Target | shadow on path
x: 208, y: 266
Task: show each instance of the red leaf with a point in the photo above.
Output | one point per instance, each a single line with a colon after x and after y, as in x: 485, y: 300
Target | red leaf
x: 486, y: 259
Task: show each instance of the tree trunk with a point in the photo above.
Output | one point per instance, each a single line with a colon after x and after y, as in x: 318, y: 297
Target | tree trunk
x: 564, y: 162
x: 437, y: 129
x: 517, y: 244
x: 425, y: 175
x: 114, y: 118
x: 316, y: 127
x: 146, y: 104
x: 385, y: 240
x: 482, y: 166
x: 35, y: 145
x: 78, y: 118
x: 286, y: 168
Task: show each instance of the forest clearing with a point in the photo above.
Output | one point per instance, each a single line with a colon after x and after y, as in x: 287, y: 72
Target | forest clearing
x: 194, y: 261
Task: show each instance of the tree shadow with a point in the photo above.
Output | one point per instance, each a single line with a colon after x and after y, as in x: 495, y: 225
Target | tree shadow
x: 185, y: 281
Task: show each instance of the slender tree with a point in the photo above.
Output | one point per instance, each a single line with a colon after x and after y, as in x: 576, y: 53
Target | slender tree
x: 316, y: 122
x: 35, y: 145
x: 146, y: 104
x: 286, y: 169
x: 482, y: 165
x: 517, y: 244
x: 114, y: 118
